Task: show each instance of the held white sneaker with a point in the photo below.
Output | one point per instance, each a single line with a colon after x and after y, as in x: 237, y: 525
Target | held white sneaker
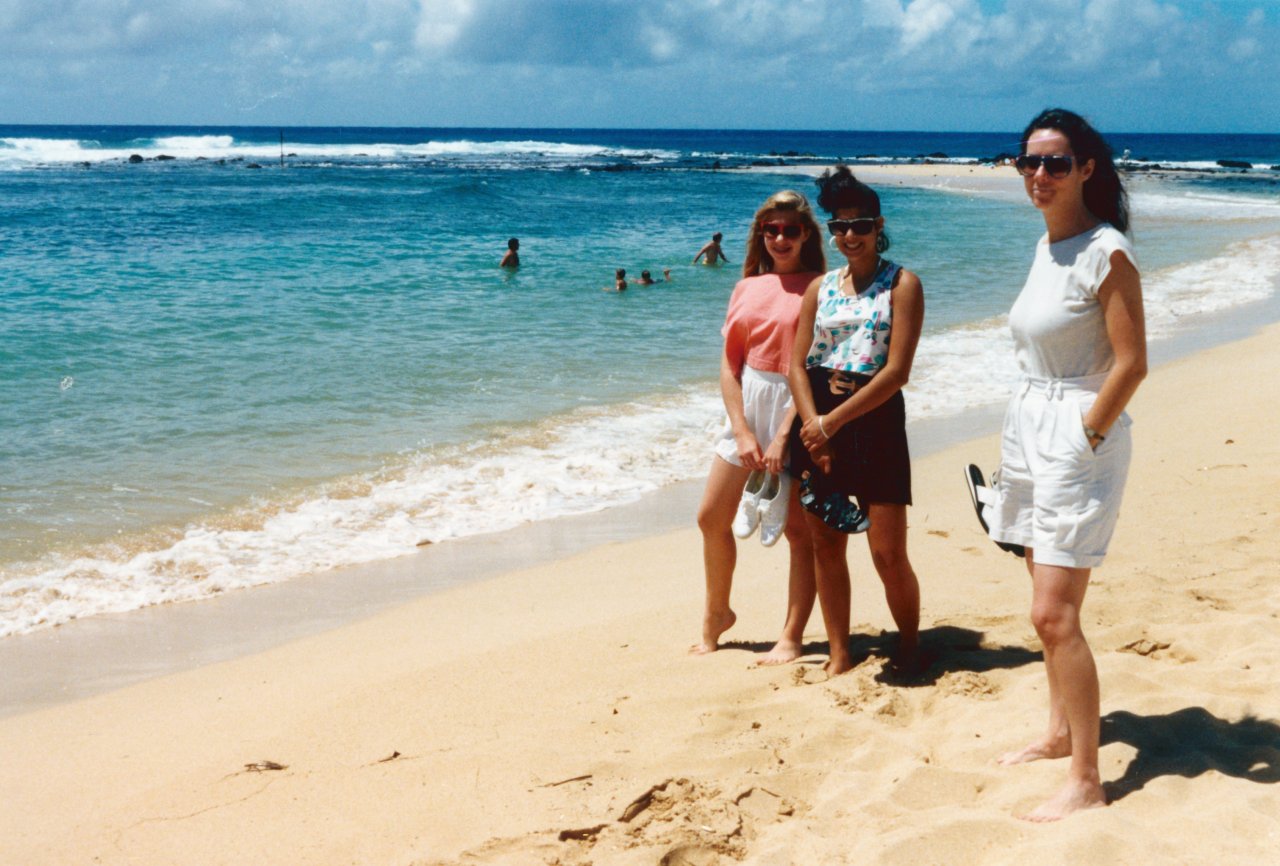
x: 773, y: 508
x: 748, y: 516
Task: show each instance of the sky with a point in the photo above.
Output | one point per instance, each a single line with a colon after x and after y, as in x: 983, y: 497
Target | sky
x: 980, y: 65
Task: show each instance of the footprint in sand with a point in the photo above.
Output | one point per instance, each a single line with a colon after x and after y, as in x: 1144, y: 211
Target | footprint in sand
x: 969, y: 684
x: 933, y: 787
x: 690, y: 855
x: 855, y: 694
x: 808, y: 675
x: 1215, y: 603
x: 1145, y: 647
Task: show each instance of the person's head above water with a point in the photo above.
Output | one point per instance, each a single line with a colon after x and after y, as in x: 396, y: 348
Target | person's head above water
x: 513, y: 244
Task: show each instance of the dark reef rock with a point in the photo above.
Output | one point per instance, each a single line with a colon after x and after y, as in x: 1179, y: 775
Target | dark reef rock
x: 135, y: 158
x: 164, y: 157
x: 1234, y: 163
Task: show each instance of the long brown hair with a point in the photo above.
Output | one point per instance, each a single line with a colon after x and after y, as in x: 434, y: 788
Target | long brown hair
x: 812, y: 256
x: 1104, y: 192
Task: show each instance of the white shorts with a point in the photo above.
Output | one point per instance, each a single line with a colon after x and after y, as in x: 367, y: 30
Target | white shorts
x: 766, y: 398
x: 1054, y: 493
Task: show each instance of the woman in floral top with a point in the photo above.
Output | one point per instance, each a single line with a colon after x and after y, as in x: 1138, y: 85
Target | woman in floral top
x: 859, y: 326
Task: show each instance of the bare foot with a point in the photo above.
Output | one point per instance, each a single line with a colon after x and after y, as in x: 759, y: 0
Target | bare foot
x: 1075, y: 796
x: 910, y: 662
x: 713, y: 625
x: 837, y: 666
x: 783, y: 651
x: 1037, y: 751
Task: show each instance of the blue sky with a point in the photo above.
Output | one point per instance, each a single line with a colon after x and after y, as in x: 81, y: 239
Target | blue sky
x: 1132, y: 65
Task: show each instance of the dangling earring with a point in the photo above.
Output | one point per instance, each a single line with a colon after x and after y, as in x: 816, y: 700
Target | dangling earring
x: 835, y: 244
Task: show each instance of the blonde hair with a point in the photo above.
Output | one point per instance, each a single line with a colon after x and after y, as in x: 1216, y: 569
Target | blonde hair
x: 812, y: 255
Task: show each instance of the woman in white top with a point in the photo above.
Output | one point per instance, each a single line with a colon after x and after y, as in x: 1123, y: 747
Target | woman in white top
x: 1080, y: 343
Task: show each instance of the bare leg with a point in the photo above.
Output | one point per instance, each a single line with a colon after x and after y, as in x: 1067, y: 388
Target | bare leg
x: 802, y: 589
x: 1058, y: 594
x: 831, y: 573
x: 887, y: 540
x: 1056, y: 742
x: 719, y: 549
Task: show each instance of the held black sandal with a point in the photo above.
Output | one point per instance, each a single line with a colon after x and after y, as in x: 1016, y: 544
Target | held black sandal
x: 981, y: 495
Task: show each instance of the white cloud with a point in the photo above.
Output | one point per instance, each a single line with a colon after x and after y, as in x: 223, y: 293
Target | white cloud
x: 1243, y: 49
x: 956, y: 23
x: 441, y: 23
x: 601, y: 57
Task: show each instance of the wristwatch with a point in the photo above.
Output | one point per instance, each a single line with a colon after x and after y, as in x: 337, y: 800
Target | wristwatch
x: 1091, y: 434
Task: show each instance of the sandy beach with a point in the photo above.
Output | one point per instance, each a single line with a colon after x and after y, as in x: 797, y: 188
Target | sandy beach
x: 551, y: 715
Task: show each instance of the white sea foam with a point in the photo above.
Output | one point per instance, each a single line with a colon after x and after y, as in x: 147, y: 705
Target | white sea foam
x: 585, y: 461
x: 1203, y: 206
x: 574, y: 464
x: 1246, y: 271
x: 27, y: 152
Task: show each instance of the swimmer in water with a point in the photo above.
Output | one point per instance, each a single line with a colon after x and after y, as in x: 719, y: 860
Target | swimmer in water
x: 512, y: 257
x: 712, y: 251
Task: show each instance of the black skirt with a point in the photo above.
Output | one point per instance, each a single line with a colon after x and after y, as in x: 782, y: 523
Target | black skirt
x: 869, y: 455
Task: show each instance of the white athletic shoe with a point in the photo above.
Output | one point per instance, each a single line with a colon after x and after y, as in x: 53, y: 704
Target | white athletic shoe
x: 748, y: 516
x: 773, y: 508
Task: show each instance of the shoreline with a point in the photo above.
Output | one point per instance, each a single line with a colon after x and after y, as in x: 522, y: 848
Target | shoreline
x: 103, y: 652
x: 551, y: 715
x: 100, y: 654
x: 196, y: 532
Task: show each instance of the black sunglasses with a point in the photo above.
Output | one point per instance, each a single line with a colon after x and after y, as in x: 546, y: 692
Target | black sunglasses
x: 860, y: 226
x: 1058, y: 165
x: 790, y: 231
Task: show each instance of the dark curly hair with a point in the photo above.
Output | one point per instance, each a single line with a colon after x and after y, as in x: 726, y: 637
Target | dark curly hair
x: 839, y: 189
x: 1104, y: 193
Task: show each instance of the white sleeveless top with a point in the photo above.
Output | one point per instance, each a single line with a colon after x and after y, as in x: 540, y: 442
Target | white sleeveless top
x: 851, y: 332
x: 1057, y: 324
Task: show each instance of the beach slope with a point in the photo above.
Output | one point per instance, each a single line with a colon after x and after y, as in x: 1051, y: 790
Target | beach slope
x: 551, y: 715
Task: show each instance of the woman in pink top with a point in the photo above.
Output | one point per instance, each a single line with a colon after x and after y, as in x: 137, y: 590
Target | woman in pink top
x: 784, y: 254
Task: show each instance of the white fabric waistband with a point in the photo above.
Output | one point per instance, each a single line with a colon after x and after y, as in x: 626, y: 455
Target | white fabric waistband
x: 1055, y: 388
x: 763, y: 376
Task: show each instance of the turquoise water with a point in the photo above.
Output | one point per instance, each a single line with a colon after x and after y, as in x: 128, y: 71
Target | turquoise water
x: 216, y: 376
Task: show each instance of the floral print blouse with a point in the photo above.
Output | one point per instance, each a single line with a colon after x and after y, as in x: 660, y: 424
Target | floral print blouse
x: 851, y: 332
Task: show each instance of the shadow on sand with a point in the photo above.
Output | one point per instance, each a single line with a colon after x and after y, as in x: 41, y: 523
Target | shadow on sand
x: 1189, y: 743
x: 944, y: 649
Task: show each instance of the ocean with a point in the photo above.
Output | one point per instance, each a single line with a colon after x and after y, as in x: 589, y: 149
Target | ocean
x: 233, y: 356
